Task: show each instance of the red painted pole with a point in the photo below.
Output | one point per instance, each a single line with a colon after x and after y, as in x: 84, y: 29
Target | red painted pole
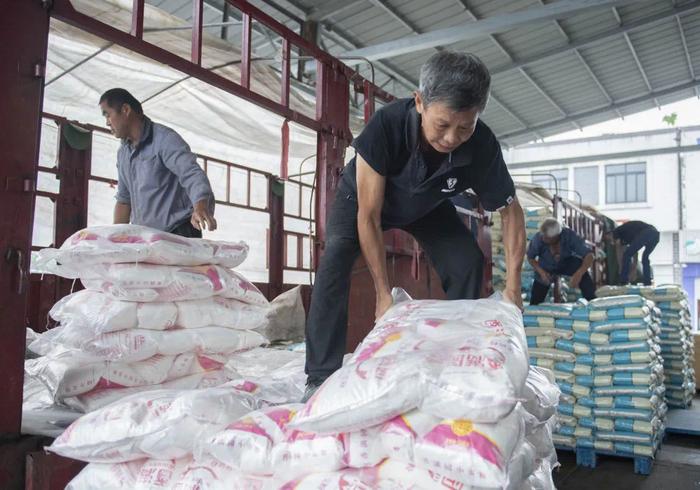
x: 137, y: 19
x: 245, y: 51
x: 197, y: 12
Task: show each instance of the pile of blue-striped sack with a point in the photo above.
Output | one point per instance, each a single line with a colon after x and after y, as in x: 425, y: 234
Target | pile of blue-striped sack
x: 677, y: 348
x: 606, y: 358
x: 533, y: 218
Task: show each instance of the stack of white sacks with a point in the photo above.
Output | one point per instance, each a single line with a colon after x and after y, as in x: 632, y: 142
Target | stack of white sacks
x: 439, y: 394
x: 533, y: 219
x: 677, y: 347
x: 606, y: 359
x: 158, y: 311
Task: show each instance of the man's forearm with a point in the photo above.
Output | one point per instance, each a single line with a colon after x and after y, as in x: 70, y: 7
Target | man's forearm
x: 586, y: 264
x: 534, y: 263
x: 514, y: 241
x: 374, y: 252
x: 122, y: 213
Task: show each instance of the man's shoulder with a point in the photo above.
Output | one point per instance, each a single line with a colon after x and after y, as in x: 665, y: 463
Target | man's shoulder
x: 163, y: 130
x: 396, y: 112
x: 484, y: 136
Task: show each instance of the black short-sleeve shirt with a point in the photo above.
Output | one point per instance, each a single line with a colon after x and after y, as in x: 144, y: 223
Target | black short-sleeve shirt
x: 627, y: 232
x: 390, y: 144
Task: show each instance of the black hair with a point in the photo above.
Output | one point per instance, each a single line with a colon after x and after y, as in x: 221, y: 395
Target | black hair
x: 116, y: 97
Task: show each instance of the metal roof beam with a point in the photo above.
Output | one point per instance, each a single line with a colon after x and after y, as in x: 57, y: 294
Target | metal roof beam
x: 340, y: 37
x: 646, y: 22
x: 499, y: 45
x: 583, y: 61
x: 607, y: 107
x: 688, y: 59
x: 395, y: 15
x: 640, y: 66
x: 329, y: 9
x: 475, y: 30
x: 517, y: 118
x: 547, y: 97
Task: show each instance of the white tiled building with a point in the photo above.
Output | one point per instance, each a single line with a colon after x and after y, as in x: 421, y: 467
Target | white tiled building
x: 632, y: 176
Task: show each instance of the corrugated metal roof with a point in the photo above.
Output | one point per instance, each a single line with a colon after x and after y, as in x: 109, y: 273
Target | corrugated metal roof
x: 549, y: 76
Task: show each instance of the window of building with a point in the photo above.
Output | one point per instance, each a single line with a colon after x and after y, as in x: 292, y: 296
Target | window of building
x: 626, y: 182
x: 545, y: 178
x: 586, y: 184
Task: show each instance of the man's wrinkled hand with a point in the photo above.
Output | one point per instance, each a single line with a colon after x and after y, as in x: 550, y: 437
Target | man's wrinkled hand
x: 202, y: 219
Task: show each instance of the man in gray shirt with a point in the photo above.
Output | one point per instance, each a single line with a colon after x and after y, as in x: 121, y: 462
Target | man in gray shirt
x: 160, y: 183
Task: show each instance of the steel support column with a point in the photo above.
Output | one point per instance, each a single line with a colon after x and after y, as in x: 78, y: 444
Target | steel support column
x: 276, y: 243
x: 332, y: 95
x: 24, y: 30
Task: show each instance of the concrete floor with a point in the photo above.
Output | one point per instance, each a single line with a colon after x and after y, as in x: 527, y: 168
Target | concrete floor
x: 677, y: 467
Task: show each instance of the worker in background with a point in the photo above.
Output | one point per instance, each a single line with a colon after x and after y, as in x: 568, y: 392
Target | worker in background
x: 160, y: 183
x: 559, y: 251
x: 411, y: 158
x: 636, y: 235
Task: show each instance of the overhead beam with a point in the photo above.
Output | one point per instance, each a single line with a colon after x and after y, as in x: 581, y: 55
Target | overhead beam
x: 344, y: 39
x: 627, y: 27
x: 640, y: 67
x: 395, y: 15
x: 330, y: 9
x: 475, y: 30
x: 606, y: 156
x: 605, y: 108
x: 688, y: 59
x: 583, y: 61
x: 508, y: 111
x: 506, y: 52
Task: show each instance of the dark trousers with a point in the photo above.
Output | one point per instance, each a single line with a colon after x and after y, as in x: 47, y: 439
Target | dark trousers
x: 566, y: 267
x: 648, y: 239
x: 448, y: 243
x: 186, y: 230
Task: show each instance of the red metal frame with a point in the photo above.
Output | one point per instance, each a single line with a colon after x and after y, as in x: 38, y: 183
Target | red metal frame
x: 27, y: 25
x: 23, y: 46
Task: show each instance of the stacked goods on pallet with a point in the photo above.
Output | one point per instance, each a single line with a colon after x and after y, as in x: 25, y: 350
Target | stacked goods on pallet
x: 438, y: 394
x: 158, y: 311
x: 677, y: 347
x: 606, y: 358
x: 533, y: 218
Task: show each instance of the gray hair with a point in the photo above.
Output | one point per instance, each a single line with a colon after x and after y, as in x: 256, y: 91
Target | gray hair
x: 460, y: 80
x: 550, y: 227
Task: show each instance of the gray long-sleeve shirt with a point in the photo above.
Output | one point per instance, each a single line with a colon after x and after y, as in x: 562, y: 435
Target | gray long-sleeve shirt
x: 160, y: 178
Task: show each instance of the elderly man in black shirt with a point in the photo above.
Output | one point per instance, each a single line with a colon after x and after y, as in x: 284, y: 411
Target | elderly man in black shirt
x: 411, y: 158
x: 636, y: 235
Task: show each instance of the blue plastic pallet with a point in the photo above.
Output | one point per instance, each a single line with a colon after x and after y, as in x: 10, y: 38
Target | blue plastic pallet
x: 684, y: 421
x: 588, y: 458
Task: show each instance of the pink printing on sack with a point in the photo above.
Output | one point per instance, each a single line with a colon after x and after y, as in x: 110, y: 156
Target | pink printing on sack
x: 247, y: 386
x: 209, y: 272
x: 105, y: 384
x: 125, y: 238
x: 247, y: 286
x: 162, y: 237
x: 84, y: 236
x: 462, y: 433
x: 209, y: 364
x: 281, y: 416
x: 248, y: 425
